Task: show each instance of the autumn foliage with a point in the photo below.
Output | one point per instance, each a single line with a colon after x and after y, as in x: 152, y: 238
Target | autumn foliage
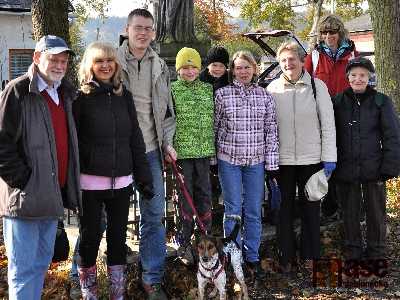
x: 213, y: 16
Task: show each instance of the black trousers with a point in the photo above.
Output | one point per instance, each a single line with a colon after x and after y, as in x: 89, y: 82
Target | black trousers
x: 351, y: 197
x: 196, y: 174
x: 116, y: 204
x: 289, y: 178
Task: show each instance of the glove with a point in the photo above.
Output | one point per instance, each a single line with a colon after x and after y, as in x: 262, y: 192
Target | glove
x: 272, y: 174
x: 146, y: 190
x: 328, y: 168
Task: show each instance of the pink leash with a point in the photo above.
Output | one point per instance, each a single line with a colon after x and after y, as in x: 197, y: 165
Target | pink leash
x: 186, y: 195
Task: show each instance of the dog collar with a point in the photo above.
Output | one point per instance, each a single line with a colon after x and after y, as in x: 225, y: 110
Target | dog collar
x: 214, y: 268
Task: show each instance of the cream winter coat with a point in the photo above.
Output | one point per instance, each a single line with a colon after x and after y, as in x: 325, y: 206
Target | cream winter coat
x: 306, y: 126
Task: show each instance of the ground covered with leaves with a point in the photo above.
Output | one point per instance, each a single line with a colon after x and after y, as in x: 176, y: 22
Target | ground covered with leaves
x: 180, y: 281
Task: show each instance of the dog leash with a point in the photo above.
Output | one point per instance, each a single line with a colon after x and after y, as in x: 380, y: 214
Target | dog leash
x: 186, y: 194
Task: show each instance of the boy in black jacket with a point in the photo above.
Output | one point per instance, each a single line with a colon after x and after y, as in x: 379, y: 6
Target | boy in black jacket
x: 216, y: 73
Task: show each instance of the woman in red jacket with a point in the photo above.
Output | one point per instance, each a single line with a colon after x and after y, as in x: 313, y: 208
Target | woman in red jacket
x: 329, y: 58
x: 327, y: 62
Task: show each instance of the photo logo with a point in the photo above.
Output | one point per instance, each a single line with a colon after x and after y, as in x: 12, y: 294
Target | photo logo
x: 353, y: 273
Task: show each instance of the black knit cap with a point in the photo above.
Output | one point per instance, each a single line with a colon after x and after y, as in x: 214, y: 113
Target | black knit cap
x: 218, y: 54
x: 360, y: 62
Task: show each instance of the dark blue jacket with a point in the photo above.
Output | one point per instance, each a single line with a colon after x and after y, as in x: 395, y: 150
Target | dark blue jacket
x: 368, y: 137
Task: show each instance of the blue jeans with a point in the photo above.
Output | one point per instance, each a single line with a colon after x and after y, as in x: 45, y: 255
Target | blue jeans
x: 251, y: 178
x: 74, y: 265
x: 29, y: 248
x: 152, y: 245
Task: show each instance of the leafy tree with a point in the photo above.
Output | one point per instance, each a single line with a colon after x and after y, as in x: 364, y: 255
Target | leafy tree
x: 211, y: 18
x: 279, y: 14
x: 80, y: 18
x: 386, y: 26
x: 93, y: 8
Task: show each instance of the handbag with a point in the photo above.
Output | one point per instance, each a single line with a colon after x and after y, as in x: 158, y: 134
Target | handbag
x: 61, y: 245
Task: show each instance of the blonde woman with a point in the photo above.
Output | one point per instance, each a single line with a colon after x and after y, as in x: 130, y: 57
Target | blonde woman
x: 247, y: 145
x: 111, y: 150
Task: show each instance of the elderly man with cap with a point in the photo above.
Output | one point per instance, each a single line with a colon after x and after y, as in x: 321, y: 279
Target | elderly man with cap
x: 39, y: 168
x: 368, y: 147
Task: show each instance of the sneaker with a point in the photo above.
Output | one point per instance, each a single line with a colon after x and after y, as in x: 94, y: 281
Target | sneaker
x: 256, y: 269
x: 75, y: 292
x: 185, y: 255
x: 154, y: 291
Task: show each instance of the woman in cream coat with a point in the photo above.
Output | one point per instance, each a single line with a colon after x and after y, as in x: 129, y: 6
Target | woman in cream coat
x: 307, y: 140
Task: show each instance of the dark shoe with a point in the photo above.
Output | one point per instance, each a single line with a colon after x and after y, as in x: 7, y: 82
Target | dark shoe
x: 256, y: 269
x: 154, y: 291
x: 75, y: 292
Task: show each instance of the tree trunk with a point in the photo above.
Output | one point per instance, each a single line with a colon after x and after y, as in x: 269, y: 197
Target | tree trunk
x: 385, y: 16
x: 317, y: 7
x: 51, y: 17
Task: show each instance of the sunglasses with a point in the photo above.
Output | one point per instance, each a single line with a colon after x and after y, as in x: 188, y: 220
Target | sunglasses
x: 329, y: 31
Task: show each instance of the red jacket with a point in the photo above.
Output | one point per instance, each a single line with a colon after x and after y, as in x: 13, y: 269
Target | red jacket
x: 333, y: 73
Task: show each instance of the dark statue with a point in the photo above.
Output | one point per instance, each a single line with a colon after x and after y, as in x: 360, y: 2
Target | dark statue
x: 176, y: 21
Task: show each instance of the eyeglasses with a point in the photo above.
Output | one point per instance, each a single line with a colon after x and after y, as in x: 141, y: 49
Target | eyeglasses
x: 140, y: 28
x: 331, y: 32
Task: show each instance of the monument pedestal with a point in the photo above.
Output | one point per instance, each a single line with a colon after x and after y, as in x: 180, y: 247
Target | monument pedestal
x: 168, y: 51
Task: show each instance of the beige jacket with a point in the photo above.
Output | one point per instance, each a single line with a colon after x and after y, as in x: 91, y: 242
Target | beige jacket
x: 306, y: 126
x: 163, y: 109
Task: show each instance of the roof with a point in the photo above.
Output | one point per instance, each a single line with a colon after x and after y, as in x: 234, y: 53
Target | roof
x: 361, y: 23
x: 21, y: 5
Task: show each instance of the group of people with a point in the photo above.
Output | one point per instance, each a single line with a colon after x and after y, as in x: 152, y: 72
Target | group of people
x: 85, y: 151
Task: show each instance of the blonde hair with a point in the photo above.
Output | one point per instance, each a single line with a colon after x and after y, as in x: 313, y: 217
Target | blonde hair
x: 290, y: 46
x: 99, y: 50
x: 332, y: 22
x: 246, y: 55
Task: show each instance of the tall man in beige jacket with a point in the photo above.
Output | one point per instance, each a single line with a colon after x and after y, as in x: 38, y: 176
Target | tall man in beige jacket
x: 146, y: 76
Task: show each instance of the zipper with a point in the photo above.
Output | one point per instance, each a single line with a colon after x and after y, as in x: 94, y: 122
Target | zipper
x: 114, y: 143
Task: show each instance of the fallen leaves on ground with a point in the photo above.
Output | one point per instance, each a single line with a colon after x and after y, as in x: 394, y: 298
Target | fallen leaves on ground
x: 180, y: 281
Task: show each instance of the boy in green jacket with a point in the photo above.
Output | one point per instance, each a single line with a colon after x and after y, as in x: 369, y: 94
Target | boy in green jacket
x: 193, y: 142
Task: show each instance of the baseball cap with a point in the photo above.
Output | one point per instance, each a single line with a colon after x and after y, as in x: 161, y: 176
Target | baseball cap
x: 53, y: 45
x: 360, y: 62
x: 317, y: 186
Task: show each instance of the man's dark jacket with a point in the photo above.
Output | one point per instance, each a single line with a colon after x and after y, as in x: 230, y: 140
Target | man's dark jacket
x: 29, y: 186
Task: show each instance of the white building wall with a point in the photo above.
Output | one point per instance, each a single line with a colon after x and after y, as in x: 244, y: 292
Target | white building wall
x: 15, y: 33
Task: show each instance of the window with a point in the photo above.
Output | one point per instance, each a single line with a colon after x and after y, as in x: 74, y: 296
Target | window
x: 19, y: 62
